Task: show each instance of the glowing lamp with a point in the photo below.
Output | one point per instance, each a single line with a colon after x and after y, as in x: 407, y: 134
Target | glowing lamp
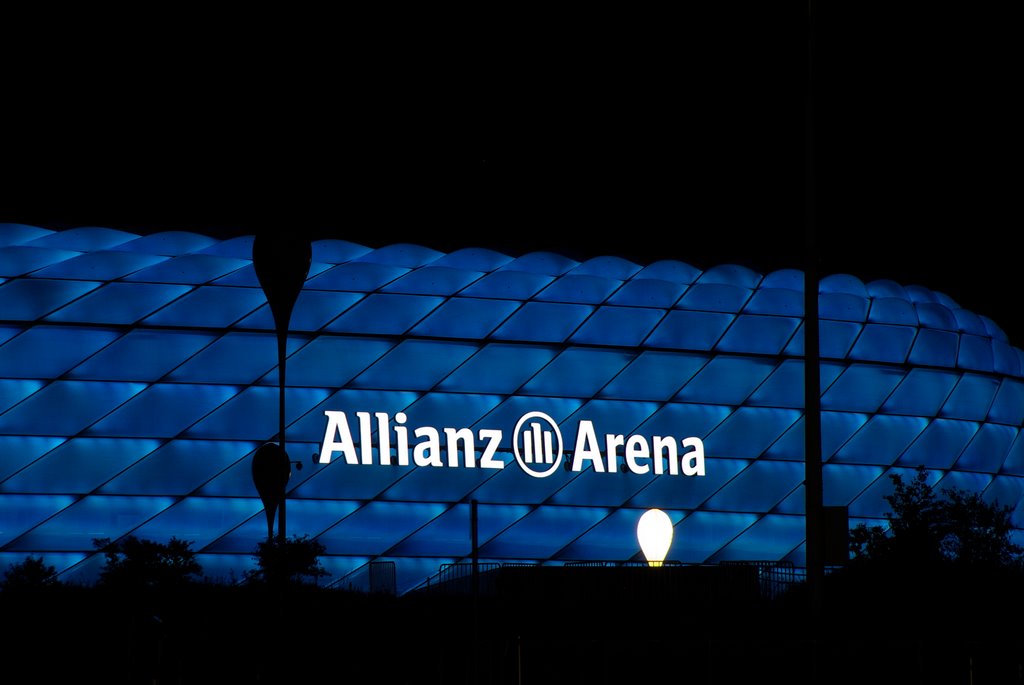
x: 654, y: 531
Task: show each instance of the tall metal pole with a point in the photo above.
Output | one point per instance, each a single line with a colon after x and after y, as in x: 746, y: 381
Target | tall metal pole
x: 814, y: 507
x: 282, y: 263
x: 282, y: 341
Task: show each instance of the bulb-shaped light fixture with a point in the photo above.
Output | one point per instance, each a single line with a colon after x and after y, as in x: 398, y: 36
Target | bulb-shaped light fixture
x: 654, y: 532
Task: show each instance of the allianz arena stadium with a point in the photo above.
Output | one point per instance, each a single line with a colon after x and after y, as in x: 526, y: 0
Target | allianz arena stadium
x: 558, y: 399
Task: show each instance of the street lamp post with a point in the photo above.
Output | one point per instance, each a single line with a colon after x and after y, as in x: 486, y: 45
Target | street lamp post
x: 282, y: 264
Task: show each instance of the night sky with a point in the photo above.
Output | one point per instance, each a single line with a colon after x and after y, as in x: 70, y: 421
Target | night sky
x: 687, y: 142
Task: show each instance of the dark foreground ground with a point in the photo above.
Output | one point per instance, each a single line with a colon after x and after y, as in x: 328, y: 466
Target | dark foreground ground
x: 589, y: 626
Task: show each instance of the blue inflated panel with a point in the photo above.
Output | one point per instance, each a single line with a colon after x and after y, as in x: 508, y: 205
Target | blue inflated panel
x: 935, y: 315
x: 1006, y: 359
x: 883, y: 343
x: 356, y: 276
x: 835, y: 338
x: 579, y: 289
x: 165, y: 243
x: 688, y: 492
x: 384, y: 314
x: 234, y: 358
x: 749, y: 431
x: 441, y: 483
x: 19, y: 450
x: 80, y: 402
x: 84, y: 239
x: 714, y: 297
x: 988, y: 448
x: 758, y: 334
x: 1008, y: 406
x: 894, y: 310
x: 498, y: 368
x: 465, y: 318
x: 451, y: 532
x: 401, y: 254
x: 378, y: 526
x: 590, y: 488
x: 577, y: 372
x: 201, y: 520
x: 164, y: 410
x: 701, y: 534
x: 194, y: 462
x: 726, y: 380
x: 209, y: 306
x: 313, y: 310
x: 448, y: 410
x: 99, y: 266
x: 80, y: 465
x: 772, y: 537
x: 14, y: 391
x: 49, y: 351
x: 842, y: 483
x: 975, y: 353
x: 684, y: 330
x: 415, y: 365
x: 646, y: 292
x: 972, y: 397
x: 842, y: 307
x: 776, y: 301
x: 934, y: 348
x: 253, y: 413
x: 607, y: 267
x: 19, y: 513
x: 474, y: 259
x: 31, y: 299
x: 335, y: 251
x: 922, y: 392
x: 188, y: 268
x: 95, y: 516
x: 871, y: 503
x: 670, y: 270
x: 940, y: 445
x: 142, y: 355
x: 330, y: 361
x: 654, y: 376
x: 432, y: 280
x: 625, y: 326
x: 542, y: 533
x: 759, y: 487
x: 543, y: 322
x: 339, y: 480
x: 16, y: 260
x: 882, y: 440
x: 511, y: 485
x: 861, y: 388
x: 508, y: 285
x: 696, y: 420
x: 837, y: 428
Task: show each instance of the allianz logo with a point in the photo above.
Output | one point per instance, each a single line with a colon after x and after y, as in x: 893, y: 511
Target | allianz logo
x: 536, y: 444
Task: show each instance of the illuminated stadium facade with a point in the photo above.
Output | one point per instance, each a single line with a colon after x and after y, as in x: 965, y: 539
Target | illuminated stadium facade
x: 138, y: 377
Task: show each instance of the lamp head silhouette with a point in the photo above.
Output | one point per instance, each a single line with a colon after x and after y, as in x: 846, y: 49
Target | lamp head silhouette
x: 654, y: 532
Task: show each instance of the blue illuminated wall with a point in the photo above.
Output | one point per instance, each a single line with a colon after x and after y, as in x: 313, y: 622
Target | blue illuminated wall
x: 138, y: 376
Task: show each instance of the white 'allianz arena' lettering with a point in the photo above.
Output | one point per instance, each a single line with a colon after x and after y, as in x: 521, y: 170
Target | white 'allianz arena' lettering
x: 659, y: 456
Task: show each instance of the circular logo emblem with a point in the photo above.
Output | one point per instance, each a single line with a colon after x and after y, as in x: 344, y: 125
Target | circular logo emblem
x: 537, y: 444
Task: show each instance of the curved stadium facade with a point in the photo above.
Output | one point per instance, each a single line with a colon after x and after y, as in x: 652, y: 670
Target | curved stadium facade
x: 138, y: 375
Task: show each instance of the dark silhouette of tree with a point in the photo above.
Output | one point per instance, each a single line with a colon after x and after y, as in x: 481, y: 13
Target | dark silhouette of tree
x: 30, y: 574
x: 136, y: 563
x: 296, y: 560
x: 956, y: 528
